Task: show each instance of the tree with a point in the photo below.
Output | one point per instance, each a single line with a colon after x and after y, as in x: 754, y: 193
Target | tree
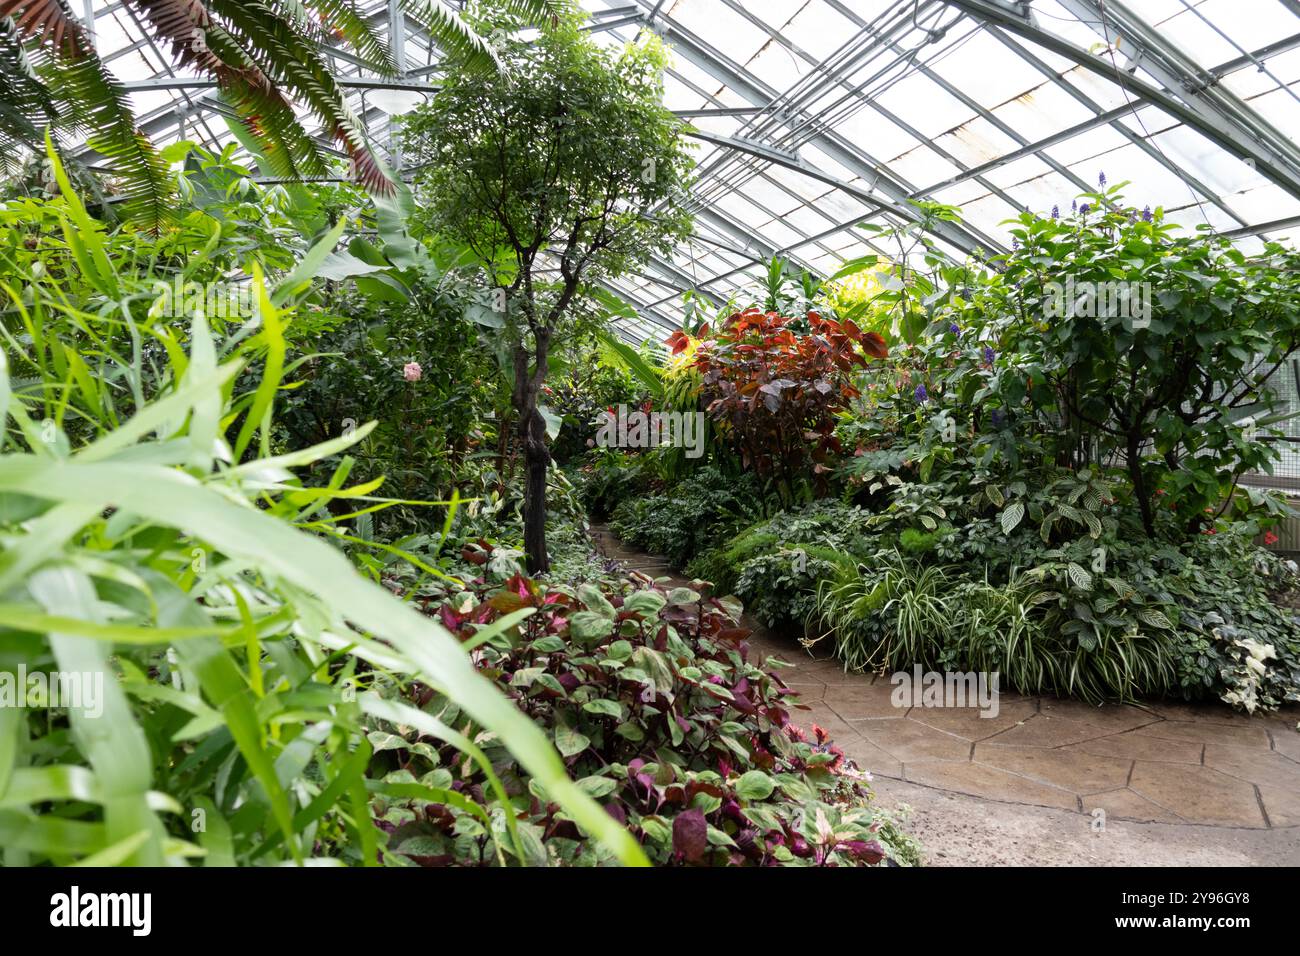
x: 564, y: 170
x: 263, y: 56
x: 1141, y: 347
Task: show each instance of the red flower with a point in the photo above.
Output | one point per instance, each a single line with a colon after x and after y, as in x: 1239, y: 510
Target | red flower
x: 1270, y: 537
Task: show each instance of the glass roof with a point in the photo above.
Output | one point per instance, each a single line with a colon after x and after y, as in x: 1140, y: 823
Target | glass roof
x: 813, y: 116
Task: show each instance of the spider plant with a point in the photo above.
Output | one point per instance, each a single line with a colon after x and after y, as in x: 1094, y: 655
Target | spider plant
x: 892, y: 614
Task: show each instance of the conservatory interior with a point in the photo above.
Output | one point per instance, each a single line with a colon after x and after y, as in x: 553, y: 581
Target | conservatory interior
x: 521, y: 433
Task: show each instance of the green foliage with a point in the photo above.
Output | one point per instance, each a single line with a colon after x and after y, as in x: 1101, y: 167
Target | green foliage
x: 665, y: 715
x: 583, y: 389
x: 265, y: 59
x: 427, y: 424
x: 1055, y: 608
x: 828, y: 528
x: 611, y: 476
x: 574, y: 129
x: 1171, y: 394
x: 690, y: 518
x: 566, y: 172
x: 780, y: 588
x: 153, y: 543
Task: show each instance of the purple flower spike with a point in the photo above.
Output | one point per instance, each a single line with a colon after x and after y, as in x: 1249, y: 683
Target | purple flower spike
x: 1083, y: 210
x: 955, y: 329
x: 1074, y: 205
x: 1101, y: 179
x: 1146, y: 214
x: 1056, y: 212
x: 921, y: 394
x: 989, y: 355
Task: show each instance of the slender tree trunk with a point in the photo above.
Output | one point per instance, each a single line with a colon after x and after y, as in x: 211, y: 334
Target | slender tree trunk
x: 537, y: 459
x: 1134, y: 464
x: 504, y: 460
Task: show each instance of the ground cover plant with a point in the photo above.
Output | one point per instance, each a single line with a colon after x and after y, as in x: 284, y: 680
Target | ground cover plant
x: 663, y: 713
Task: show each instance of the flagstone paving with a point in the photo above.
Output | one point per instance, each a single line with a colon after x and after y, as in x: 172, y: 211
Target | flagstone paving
x: 1203, y: 765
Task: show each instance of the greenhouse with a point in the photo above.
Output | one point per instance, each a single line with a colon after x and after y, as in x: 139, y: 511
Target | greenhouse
x: 687, y: 433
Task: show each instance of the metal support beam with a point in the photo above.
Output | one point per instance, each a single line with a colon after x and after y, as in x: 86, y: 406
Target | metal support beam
x: 88, y: 15
x: 723, y: 69
x: 346, y: 82
x: 1194, y: 185
x: 1181, y: 75
x: 1180, y: 103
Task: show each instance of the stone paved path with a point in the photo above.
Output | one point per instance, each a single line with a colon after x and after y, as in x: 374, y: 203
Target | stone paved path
x: 1182, y: 777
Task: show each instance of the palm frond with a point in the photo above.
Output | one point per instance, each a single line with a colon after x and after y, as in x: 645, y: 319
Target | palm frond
x: 454, y: 35
x: 296, y: 65
x: 48, y: 21
x: 98, y: 100
x: 341, y: 22
x: 538, y: 12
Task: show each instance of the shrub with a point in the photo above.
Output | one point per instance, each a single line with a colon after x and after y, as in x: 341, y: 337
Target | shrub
x: 780, y: 588
x: 1102, y: 620
x: 426, y: 427
x: 722, y: 566
x: 774, y: 391
x: 828, y: 524
x: 1167, y: 392
x: 681, y: 523
x: 662, y: 713
x: 585, y: 388
x: 609, y: 477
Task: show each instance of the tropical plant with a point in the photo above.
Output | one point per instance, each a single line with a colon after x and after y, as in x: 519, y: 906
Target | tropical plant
x: 1136, y: 346
x: 774, y: 389
x: 264, y: 57
x: 664, y: 714
x: 551, y: 177
x: 411, y: 358
x: 689, y: 518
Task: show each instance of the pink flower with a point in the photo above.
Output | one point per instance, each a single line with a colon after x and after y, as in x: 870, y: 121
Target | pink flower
x: 412, y: 372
